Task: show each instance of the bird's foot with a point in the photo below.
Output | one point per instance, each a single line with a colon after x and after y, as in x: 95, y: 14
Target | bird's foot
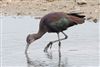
x: 48, y: 45
x: 49, y: 55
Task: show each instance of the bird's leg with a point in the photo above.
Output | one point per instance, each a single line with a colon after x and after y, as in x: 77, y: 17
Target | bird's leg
x: 50, y: 43
x: 61, y: 38
x: 59, y: 63
x: 65, y: 35
x: 49, y: 55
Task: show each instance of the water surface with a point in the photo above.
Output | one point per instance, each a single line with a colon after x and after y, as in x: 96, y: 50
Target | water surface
x: 79, y: 50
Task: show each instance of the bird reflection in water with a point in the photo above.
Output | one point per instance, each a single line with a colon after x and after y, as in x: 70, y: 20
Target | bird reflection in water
x: 39, y: 63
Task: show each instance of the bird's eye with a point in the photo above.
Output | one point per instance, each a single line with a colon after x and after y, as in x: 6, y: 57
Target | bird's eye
x: 28, y: 39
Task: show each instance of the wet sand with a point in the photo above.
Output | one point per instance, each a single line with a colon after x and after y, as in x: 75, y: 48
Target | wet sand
x: 81, y: 49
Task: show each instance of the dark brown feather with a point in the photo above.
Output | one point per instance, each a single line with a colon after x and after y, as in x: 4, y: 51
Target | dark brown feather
x: 73, y: 19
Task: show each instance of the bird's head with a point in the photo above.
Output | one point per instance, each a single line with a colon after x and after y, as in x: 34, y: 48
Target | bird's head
x: 30, y: 38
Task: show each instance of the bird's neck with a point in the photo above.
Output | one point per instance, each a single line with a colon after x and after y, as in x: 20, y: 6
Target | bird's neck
x: 38, y: 35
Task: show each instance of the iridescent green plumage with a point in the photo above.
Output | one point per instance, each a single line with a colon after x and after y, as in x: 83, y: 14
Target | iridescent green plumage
x: 60, y: 24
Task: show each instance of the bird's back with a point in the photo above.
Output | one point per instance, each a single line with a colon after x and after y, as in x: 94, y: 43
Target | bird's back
x: 59, y: 21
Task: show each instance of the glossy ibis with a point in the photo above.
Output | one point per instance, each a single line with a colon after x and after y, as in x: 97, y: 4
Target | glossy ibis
x: 55, y: 23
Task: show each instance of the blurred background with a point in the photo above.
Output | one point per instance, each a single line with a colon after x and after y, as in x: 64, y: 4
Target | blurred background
x: 42, y: 7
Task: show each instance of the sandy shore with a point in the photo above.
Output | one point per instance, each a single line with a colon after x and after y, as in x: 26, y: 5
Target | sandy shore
x: 42, y: 7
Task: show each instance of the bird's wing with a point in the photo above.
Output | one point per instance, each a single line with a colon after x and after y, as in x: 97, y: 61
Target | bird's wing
x: 79, y: 19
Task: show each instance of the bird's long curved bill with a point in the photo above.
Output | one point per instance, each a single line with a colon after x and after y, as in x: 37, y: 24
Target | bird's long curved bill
x: 26, y: 49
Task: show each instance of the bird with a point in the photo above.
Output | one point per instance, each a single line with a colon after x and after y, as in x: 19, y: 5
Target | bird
x: 55, y: 22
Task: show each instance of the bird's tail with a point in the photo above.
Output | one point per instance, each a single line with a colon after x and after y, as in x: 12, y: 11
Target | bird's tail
x: 77, y: 15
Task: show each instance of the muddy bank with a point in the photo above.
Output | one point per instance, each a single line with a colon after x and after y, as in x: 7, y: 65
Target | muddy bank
x: 42, y: 7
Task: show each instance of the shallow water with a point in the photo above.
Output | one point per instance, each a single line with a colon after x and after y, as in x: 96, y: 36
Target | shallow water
x: 81, y: 49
